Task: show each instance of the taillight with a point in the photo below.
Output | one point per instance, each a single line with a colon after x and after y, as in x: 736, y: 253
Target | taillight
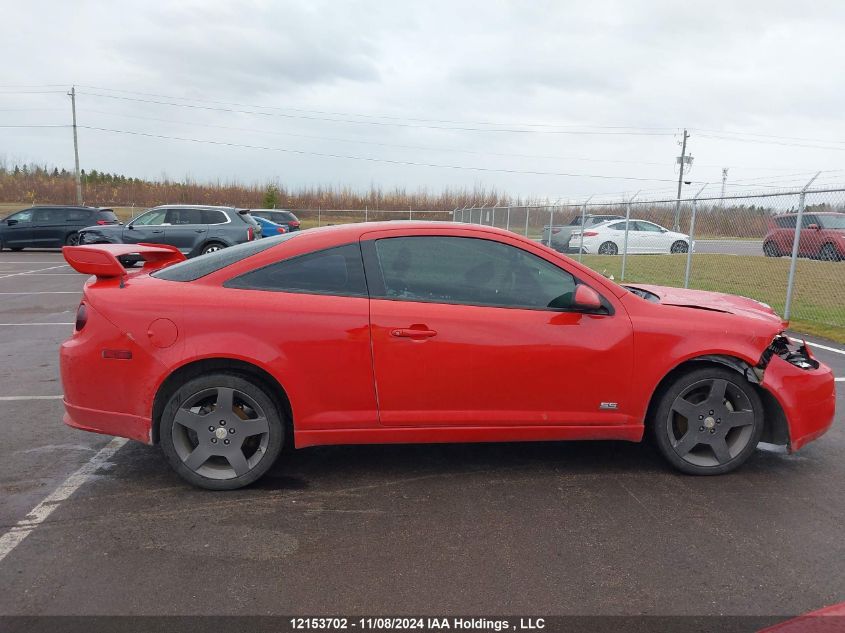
x: 81, y: 316
x: 590, y: 234
x: 104, y: 222
x: 281, y: 229
x: 294, y: 223
x: 249, y: 234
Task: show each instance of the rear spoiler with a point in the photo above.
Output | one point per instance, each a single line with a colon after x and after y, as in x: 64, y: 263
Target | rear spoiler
x: 102, y: 259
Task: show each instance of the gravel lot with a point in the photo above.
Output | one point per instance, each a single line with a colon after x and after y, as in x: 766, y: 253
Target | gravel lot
x: 577, y: 528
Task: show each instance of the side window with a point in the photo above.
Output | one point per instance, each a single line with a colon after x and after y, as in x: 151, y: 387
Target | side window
x: 471, y: 271
x: 151, y: 218
x: 22, y: 217
x: 48, y: 216
x: 786, y: 222
x: 176, y: 217
x: 807, y: 220
x: 334, y: 271
x: 79, y: 215
x: 648, y: 226
x: 212, y: 216
x: 620, y: 226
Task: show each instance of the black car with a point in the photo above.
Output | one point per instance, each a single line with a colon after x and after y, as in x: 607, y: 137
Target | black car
x: 50, y: 226
x: 285, y: 217
x: 194, y: 230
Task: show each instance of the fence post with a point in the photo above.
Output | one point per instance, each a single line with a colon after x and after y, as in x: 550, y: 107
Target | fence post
x: 692, y: 235
x: 410, y: 213
x: 625, y: 246
x: 551, y: 223
x: 366, y: 213
x: 493, y: 217
x: 319, y: 213
x: 527, y: 215
x: 791, y: 281
x: 583, y: 216
x: 508, y: 219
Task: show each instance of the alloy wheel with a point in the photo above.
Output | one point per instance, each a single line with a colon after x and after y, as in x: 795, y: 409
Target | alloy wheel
x: 679, y: 247
x: 220, y: 433
x: 710, y: 422
x: 608, y: 248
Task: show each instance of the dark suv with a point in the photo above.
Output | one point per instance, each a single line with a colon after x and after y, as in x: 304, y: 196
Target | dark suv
x: 50, y: 226
x: 284, y: 217
x: 822, y: 235
x: 194, y: 230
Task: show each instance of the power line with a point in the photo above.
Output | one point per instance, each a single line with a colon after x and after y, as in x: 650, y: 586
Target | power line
x: 382, y: 116
x: 770, y: 142
x: 373, y: 159
x: 376, y: 123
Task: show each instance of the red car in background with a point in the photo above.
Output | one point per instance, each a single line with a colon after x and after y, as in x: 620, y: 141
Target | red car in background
x: 421, y: 332
x: 822, y: 236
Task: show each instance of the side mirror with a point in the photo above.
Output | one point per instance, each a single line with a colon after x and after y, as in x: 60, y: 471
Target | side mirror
x: 586, y: 298
x: 814, y: 226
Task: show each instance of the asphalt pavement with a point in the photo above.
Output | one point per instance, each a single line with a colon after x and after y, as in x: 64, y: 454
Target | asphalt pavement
x: 539, y: 528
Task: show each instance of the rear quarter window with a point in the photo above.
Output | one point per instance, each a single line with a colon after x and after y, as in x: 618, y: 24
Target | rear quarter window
x: 203, y: 265
x: 107, y: 215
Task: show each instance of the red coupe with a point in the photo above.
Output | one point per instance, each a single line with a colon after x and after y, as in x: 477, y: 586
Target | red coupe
x: 421, y: 332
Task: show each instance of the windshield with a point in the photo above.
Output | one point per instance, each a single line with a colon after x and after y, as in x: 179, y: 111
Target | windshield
x: 203, y: 265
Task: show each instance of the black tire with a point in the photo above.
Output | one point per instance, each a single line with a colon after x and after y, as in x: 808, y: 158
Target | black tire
x: 608, y: 248
x: 72, y: 239
x: 770, y: 249
x: 707, y: 421
x: 218, y: 448
x: 679, y: 247
x: 829, y: 253
x: 212, y: 247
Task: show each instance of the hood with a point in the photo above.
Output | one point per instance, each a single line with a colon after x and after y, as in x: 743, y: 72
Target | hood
x: 713, y: 301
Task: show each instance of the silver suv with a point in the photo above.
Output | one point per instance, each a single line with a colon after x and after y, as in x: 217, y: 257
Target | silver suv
x: 193, y: 229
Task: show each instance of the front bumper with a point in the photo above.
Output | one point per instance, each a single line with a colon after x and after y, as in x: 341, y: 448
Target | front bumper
x: 807, y: 397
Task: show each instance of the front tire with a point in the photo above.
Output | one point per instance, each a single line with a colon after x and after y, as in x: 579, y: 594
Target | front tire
x: 679, y: 247
x: 72, y: 239
x: 770, y: 249
x: 708, y: 421
x: 221, y: 431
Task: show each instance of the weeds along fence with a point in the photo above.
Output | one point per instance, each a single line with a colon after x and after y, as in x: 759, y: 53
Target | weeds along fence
x: 785, y: 249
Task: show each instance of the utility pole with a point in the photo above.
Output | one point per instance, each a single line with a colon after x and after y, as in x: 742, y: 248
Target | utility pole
x: 72, y: 94
x: 682, y: 161
x: 724, y: 182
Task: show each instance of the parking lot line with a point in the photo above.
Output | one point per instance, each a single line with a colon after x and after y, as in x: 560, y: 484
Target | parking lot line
x: 45, y: 292
x: 23, y: 528
x: 825, y: 347
x: 839, y: 379
x: 1, y: 324
x: 13, y: 398
x: 31, y: 272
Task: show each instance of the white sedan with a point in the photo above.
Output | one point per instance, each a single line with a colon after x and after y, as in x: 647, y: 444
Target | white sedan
x: 643, y: 237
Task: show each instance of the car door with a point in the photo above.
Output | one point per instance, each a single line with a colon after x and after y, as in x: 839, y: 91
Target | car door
x: 650, y: 238
x: 48, y: 227
x: 186, y: 229
x: 17, y: 229
x: 811, y: 236
x: 616, y: 233
x: 148, y: 227
x: 463, y: 335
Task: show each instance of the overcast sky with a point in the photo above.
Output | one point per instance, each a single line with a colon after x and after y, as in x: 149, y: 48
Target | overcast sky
x: 524, y: 81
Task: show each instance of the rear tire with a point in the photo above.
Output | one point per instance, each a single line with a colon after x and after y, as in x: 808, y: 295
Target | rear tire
x: 679, y: 247
x: 221, y: 431
x: 212, y: 247
x: 707, y: 421
x: 829, y: 253
x: 770, y: 249
x: 608, y: 248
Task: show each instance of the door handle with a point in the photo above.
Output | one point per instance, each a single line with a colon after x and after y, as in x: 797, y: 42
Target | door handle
x: 158, y: 231
x: 413, y: 333
x: 199, y: 230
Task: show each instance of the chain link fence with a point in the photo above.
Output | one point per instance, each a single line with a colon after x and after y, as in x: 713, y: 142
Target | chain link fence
x: 785, y: 249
